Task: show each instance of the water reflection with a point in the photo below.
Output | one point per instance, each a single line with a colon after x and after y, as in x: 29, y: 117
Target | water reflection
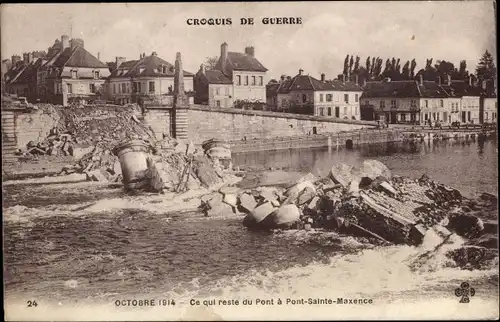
x: 470, y: 165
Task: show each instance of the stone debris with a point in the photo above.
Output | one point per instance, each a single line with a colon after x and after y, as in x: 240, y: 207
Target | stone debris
x: 384, y: 208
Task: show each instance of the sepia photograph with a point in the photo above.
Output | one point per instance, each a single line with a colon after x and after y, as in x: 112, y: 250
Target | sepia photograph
x: 285, y: 160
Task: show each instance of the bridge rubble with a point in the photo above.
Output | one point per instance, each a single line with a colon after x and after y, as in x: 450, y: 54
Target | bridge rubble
x: 371, y: 203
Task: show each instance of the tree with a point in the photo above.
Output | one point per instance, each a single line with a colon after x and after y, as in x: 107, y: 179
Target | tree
x: 406, y: 71
x: 211, y: 62
x: 486, y: 67
x: 462, y: 72
x: 351, y: 63
x: 346, y: 64
x: 413, y: 65
x: 368, y: 64
x: 356, y: 64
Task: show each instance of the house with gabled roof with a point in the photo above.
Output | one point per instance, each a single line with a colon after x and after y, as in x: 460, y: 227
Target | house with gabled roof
x: 73, y: 74
x: 148, y: 78
x: 411, y: 101
x: 213, y: 88
x: 246, y: 72
x: 305, y: 94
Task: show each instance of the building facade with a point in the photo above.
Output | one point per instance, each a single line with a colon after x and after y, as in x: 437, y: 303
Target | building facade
x: 247, y: 74
x: 490, y: 110
x: 213, y: 88
x: 304, y: 94
x: 148, y: 78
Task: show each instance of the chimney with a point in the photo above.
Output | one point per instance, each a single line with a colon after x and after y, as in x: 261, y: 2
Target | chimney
x: 421, y: 80
x: 119, y: 61
x: 223, y: 56
x: 31, y: 57
x: 64, y: 42
x: 15, y: 59
x: 202, y: 69
x: 301, y: 71
x: 154, y: 53
x: 322, y: 77
x: 448, y: 80
x: 250, y: 51
x: 26, y: 58
x: 282, y: 78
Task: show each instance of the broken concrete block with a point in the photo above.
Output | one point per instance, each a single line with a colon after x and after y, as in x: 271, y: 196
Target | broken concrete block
x: 417, y: 233
x: 387, y: 187
x: 268, y: 193
x: 306, y: 195
x: 286, y: 214
x: 262, y: 211
x: 215, y: 201
x: 247, y: 202
x: 78, y: 153
x: 373, y: 168
x: 297, y: 188
x: 342, y: 173
x: 231, y: 199
x: 313, y: 204
x: 275, y: 203
x: 220, y: 209
x: 353, y: 189
x: 96, y: 175
x: 229, y: 190
x: 308, y: 177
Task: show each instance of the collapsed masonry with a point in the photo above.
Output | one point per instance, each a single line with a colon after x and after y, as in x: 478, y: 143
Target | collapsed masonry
x: 372, y: 203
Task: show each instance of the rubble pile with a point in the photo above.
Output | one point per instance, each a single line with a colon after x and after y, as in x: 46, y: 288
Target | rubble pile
x: 80, y: 129
x: 369, y: 202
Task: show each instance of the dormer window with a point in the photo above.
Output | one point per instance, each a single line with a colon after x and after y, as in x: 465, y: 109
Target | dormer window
x: 74, y: 73
x: 97, y: 74
x: 141, y: 70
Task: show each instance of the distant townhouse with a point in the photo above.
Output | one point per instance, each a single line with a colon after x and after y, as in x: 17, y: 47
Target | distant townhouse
x: 22, y: 77
x: 213, y: 88
x: 248, y: 75
x: 148, y: 78
x: 468, y: 109
x: 490, y: 109
x: 305, y: 94
x: 409, y: 102
x: 69, y: 73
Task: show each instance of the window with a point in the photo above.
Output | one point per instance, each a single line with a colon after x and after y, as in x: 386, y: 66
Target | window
x: 413, y: 103
x: 114, y: 88
x: 304, y: 98
x: 97, y: 74
x: 321, y: 111
x: 119, y: 88
x: 337, y: 111
x: 356, y: 98
x: 346, y: 98
x: 92, y: 88
x: 329, y: 111
x: 128, y: 87
x: 426, y: 102
x: 70, y: 88
x: 217, y: 103
x: 124, y: 88
x: 134, y: 87
x: 283, y: 103
x: 382, y: 104
x: 227, y: 90
x: 345, y: 110
x: 246, y: 80
x: 441, y: 103
x: 261, y: 80
x: 74, y: 74
x: 139, y: 89
x: 217, y: 91
x: 238, y: 80
x: 393, y: 104
x: 403, y: 117
x: 253, y: 80
x: 151, y: 87
x: 329, y: 97
x: 321, y: 97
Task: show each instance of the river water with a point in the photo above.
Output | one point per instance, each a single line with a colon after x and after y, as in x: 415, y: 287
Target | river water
x: 83, y: 260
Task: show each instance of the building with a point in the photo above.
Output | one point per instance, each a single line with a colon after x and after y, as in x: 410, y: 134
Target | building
x: 272, y: 95
x: 213, y: 88
x: 21, y: 79
x: 304, y: 94
x: 490, y: 114
x: 409, y: 102
x: 148, y: 78
x: 248, y: 75
x: 468, y: 110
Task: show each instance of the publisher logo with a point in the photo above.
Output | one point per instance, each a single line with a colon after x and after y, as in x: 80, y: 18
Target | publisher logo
x: 464, y: 292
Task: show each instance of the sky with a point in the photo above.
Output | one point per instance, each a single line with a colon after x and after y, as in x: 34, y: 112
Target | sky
x: 444, y: 30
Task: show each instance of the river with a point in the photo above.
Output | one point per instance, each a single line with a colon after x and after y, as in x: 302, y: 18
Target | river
x: 89, y: 260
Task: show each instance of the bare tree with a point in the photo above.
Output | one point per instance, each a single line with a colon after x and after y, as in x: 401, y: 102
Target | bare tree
x: 211, y: 62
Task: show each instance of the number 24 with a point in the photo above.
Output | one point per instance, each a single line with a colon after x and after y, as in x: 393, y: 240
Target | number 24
x: 32, y: 304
